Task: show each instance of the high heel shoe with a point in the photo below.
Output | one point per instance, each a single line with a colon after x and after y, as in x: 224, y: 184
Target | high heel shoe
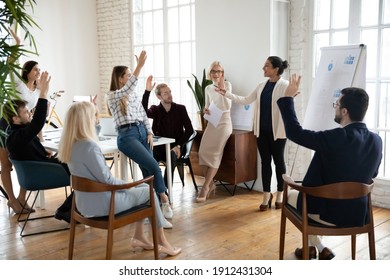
x: 17, y: 211
x: 135, y: 243
x: 264, y: 207
x: 212, y: 190
x: 170, y: 252
x: 200, y: 198
x: 204, y: 198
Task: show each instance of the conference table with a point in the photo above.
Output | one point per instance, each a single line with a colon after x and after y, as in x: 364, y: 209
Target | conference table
x: 108, y: 145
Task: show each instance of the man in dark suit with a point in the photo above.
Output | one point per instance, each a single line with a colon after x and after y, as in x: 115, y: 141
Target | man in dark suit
x: 169, y: 120
x: 348, y: 153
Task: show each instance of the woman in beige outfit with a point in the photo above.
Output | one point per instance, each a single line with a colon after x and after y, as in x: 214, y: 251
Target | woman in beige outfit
x: 214, y: 138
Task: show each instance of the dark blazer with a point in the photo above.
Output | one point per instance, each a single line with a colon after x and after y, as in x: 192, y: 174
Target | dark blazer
x: 22, y: 142
x: 351, y: 153
x: 173, y: 124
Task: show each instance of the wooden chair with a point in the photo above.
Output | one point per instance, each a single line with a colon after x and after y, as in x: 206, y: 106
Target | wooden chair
x: 112, y: 221
x: 38, y: 176
x: 342, y: 190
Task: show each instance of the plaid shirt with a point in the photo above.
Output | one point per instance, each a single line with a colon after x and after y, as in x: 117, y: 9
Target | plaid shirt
x: 135, y: 111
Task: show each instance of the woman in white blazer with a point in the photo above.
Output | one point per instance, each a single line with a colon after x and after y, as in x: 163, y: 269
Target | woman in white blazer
x: 268, y: 126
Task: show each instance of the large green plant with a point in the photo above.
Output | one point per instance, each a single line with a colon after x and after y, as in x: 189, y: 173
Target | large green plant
x: 198, y: 89
x: 13, y: 13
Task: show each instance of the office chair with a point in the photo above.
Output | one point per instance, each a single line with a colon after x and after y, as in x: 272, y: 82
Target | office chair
x: 307, y: 226
x: 112, y: 221
x: 184, y: 160
x: 38, y: 176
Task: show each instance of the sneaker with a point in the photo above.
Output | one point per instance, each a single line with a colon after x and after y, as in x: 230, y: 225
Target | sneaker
x: 166, y: 224
x: 167, y: 210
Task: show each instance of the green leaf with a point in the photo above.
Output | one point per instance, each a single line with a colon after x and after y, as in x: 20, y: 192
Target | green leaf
x: 199, y: 90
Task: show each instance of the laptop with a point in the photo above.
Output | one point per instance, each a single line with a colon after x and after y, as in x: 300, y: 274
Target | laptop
x: 108, y: 127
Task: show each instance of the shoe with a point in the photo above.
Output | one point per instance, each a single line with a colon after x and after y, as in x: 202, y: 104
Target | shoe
x: 212, y: 190
x: 326, y: 254
x: 312, y: 253
x: 135, y: 243
x: 200, y: 199
x: 17, y: 211
x: 166, y: 224
x: 60, y: 215
x: 264, y: 207
x: 167, y: 210
x: 278, y: 205
x: 175, y: 251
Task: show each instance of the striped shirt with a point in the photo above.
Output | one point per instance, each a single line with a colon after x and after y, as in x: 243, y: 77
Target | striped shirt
x: 135, y: 111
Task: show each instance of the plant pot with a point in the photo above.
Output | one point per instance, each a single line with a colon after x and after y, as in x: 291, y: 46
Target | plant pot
x: 202, y: 121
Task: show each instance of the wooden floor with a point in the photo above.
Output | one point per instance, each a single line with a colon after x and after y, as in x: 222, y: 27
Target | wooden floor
x: 223, y: 228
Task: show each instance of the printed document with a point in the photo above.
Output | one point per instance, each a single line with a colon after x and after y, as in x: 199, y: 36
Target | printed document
x: 215, y: 115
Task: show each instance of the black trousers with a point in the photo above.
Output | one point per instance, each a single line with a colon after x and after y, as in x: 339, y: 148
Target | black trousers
x: 270, y: 149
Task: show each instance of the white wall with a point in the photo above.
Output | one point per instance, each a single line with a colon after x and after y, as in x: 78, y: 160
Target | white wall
x: 237, y: 34
x: 67, y: 46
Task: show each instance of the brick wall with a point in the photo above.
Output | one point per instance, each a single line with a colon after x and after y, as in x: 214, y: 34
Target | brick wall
x: 297, y: 158
x: 114, y: 39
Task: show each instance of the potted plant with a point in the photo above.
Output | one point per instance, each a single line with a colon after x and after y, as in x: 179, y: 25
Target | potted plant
x: 198, y: 89
x: 13, y: 13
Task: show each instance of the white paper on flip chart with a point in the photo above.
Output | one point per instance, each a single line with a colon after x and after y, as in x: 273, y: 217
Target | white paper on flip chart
x: 215, y: 115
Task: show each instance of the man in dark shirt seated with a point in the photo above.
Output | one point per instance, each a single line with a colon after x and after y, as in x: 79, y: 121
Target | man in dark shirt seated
x: 22, y: 141
x: 169, y: 120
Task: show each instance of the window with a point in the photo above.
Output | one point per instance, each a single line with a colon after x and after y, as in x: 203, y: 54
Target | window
x: 166, y: 30
x: 361, y: 21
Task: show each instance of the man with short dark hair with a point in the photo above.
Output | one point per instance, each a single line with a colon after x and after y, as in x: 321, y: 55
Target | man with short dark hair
x: 169, y: 120
x: 22, y: 141
x: 348, y: 153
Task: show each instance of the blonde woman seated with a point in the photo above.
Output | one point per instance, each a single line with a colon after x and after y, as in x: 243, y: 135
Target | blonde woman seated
x: 80, y: 150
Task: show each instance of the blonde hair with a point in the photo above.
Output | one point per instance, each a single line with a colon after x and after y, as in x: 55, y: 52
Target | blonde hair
x: 214, y: 63
x: 80, y: 122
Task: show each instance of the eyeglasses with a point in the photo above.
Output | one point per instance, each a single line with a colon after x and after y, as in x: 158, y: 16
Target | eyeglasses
x: 335, y: 105
x: 216, y: 71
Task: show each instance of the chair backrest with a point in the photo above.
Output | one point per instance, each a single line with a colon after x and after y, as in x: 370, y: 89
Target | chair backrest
x: 339, y: 190
x: 40, y: 175
x: 112, y: 221
x: 186, y: 149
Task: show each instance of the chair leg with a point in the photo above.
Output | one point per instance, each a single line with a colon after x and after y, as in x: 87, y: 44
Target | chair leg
x: 180, y: 170
x: 4, y: 192
x: 192, y: 175
x: 305, y: 246
x: 71, y: 238
x: 371, y: 244
x: 353, y: 246
x: 110, y: 237
x: 282, y: 236
x: 27, y: 219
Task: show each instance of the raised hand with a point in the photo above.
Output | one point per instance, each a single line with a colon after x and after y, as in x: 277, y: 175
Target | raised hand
x: 149, y: 83
x: 292, y: 89
x: 44, y: 83
x: 140, y: 63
